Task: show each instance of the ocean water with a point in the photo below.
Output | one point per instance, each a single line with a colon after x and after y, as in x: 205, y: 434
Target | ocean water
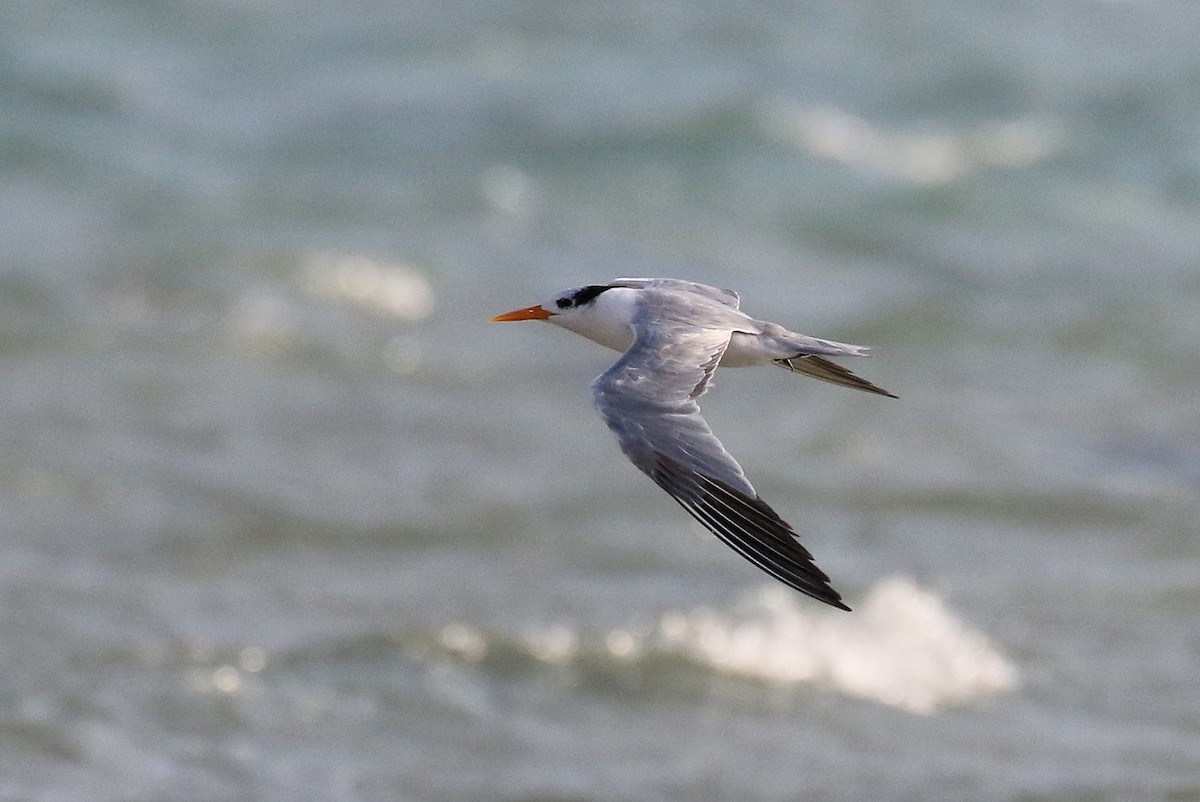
x: 283, y: 517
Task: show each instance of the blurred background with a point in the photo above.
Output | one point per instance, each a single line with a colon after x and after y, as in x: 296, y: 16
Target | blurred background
x: 282, y: 517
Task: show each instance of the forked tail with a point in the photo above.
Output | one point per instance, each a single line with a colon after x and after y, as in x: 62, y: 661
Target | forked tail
x: 827, y: 371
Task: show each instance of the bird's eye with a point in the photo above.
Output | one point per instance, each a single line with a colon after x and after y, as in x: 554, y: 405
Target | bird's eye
x: 563, y: 303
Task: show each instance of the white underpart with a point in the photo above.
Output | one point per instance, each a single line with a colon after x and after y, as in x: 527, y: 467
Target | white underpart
x: 747, y: 350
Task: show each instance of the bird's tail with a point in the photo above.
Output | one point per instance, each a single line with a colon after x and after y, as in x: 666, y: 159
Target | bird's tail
x: 823, y: 369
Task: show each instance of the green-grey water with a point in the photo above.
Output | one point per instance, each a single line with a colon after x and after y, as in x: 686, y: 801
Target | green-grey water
x: 282, y: 517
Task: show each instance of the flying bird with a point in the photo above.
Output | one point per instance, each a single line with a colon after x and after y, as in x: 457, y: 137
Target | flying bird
x: 673, y: 334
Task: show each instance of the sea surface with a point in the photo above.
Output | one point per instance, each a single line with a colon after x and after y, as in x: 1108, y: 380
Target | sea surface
x: 284, y: 517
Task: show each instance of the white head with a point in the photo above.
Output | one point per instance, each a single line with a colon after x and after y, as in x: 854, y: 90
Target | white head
x: 600, y: 312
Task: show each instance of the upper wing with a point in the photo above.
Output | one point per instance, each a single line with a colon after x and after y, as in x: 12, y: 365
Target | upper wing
x: 648, y: 399
x: 726, y: 297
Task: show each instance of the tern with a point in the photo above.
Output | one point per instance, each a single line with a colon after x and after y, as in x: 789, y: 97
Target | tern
x: 673, y: 334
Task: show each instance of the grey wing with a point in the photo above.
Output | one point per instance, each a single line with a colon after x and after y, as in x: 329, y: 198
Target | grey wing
x: 727, y: 297
x: 648, y: 399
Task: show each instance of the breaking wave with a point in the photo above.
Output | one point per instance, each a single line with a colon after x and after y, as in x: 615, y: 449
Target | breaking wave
x: 927, y: 157
x: 902, y: 647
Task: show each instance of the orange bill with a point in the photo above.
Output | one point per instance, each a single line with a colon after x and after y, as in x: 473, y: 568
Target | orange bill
x: 528, y: 313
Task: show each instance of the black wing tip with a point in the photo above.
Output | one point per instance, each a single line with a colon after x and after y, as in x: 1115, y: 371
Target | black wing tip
x: 833, y: 599
x: 749, y: 526
x: 816, y: 582
x: 822, y: 591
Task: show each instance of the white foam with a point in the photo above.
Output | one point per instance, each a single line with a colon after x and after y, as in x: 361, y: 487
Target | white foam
x: 901, y: 648
x: 929, y: 156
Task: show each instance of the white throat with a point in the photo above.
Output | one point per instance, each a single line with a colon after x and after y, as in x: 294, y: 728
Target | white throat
x: 608, y: 320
